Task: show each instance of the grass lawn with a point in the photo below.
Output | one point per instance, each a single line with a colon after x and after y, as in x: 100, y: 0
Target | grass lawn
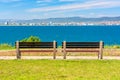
x: 59, y: 69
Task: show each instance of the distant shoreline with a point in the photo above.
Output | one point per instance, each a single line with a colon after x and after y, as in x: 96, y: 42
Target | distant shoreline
x: 55, y: 25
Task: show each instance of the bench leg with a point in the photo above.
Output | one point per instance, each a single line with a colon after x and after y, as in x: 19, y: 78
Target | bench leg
x: 64, y: 55
x: 64, y: 50
x: 101, y: 50
x: 54, y: 49
x: 54, y: 55
x: 18, y: 54
x: 101, y: 55
x: 98, y: 55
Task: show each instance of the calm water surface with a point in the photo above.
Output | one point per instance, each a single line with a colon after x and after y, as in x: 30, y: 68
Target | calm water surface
x: 108, y: 34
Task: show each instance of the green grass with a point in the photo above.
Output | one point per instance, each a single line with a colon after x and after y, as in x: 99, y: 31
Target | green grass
x: 112, y: 46
x: 59, y: 69
x: 6, y: 46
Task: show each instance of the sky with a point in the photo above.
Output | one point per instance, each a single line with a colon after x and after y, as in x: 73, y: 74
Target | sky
x: 41, y: 9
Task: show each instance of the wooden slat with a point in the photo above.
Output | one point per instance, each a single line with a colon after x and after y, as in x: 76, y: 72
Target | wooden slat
x: 82, y: 45
x: 36, y: 50
x: 82, y: 42
x: 82, y: 50
x: 36, y: 44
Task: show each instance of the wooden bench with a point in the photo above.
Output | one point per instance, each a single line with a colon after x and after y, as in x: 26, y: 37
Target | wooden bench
x: 83, y: 47
x: 35, y: 47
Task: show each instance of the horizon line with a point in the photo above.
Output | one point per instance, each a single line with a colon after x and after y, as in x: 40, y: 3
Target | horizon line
x: 63, y: 17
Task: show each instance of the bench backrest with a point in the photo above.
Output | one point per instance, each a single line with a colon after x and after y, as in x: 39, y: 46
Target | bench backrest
x: 37, y: 44
x: 82, y: 44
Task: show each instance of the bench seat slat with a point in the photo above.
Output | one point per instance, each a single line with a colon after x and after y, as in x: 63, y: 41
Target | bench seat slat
x: 40, y: 43
x: 82, y: 46
x: 82, y: 42
x: 82, y: 50
x: 36, y: 50
x: 35, y: 46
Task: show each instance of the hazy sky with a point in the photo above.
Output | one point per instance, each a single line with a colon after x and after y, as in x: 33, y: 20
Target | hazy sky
x: 37, y: 9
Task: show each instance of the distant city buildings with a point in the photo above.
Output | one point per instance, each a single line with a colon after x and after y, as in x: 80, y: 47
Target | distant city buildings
x: 6, y: 23
x: 68, y: 21
x: 13, y: 23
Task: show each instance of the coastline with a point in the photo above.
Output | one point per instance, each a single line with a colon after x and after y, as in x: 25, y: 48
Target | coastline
x: 56, y: 25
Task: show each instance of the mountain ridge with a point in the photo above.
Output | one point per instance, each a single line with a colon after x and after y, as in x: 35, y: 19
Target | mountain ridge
x: 65, y: 19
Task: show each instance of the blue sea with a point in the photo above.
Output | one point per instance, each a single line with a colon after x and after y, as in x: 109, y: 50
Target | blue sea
x: 109, y: 34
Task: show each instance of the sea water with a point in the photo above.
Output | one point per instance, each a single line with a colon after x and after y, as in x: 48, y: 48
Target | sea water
x: 108, y: 34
